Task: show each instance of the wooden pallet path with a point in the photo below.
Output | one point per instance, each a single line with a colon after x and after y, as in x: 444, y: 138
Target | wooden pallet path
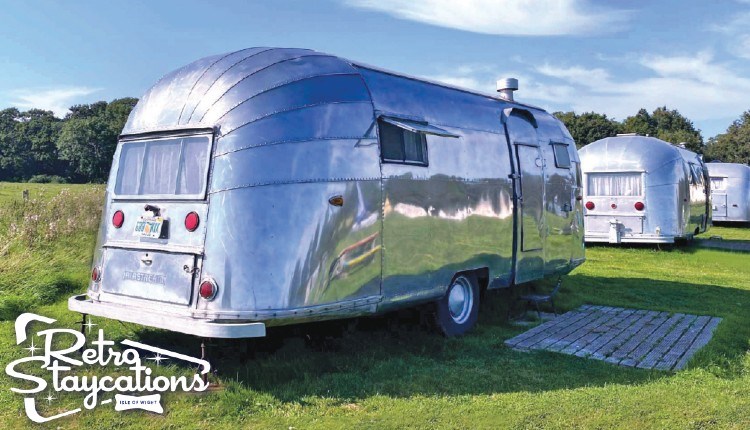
x: 627, y: 337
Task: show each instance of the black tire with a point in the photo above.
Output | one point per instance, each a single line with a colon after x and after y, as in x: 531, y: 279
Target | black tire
x: 462, y: 318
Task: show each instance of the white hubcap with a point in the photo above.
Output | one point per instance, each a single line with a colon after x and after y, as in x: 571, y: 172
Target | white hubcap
x: 460, y: 300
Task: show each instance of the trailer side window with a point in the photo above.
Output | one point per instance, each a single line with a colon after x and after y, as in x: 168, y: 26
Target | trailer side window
x: 398, y: 145
x: 562, y: 156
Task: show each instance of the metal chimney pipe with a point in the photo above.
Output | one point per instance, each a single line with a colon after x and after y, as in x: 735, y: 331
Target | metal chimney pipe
x: 506, y: 87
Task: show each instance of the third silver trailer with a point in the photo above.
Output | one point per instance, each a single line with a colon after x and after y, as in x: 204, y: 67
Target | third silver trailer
x: 643, y: 189
x: 730, y: 191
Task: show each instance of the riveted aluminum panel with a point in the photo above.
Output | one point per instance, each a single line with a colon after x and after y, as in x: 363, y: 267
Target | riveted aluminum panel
x: 278, y: 247
x: 156, y: 276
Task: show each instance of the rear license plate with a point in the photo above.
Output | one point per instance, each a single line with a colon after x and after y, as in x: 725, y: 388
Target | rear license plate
x: 149, y: 227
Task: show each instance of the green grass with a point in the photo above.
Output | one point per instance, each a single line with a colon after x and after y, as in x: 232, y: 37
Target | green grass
x: 390, y: 372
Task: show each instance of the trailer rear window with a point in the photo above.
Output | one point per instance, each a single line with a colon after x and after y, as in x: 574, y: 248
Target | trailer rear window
x: 175, y: 167
x: 614, y: 184
x: 718, y: 184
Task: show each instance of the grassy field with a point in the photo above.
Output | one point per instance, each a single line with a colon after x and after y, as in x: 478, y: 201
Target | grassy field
x: 390, y: 372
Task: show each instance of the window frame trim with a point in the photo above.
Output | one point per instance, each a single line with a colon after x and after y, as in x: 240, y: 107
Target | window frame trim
x: 400, y: 123
x: 553, y: 144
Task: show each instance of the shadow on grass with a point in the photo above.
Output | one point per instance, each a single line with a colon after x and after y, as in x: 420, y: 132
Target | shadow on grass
x: 396, y: 355
x: 13, y: 305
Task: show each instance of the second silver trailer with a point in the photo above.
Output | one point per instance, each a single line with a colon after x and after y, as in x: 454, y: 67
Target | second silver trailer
x: 642, y: 189
x: 730, y: 191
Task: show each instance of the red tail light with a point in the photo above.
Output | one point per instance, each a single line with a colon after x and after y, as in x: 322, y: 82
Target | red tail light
x: 208, y: 289
x: 613, y: 206
x: 590, y: 206
x: 192, y: 221
x: 96, y: 274
x: 117, y: 219
x: 639, y: 206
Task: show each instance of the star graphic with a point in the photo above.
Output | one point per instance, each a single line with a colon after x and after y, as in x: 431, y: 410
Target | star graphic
x: 32, y: 348
x: 158, y: 358
x: 50, y: 398
x: 88, y: 325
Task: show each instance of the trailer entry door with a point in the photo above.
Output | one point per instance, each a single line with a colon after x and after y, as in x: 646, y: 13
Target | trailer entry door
x: 531, y: 197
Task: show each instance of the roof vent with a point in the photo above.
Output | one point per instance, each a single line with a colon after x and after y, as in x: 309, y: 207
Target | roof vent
x: 682, y: 145
x: 506, y: 87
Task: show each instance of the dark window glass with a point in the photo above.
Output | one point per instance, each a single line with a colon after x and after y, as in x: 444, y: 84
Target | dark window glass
x: 398, y: 145
x: 391, y: 142
x: 562, y: 156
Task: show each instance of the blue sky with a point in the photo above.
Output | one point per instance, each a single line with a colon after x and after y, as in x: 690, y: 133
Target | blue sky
x: 611, y: 57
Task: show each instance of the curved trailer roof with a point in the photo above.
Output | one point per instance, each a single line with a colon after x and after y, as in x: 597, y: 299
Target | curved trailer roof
x: 635, y: 153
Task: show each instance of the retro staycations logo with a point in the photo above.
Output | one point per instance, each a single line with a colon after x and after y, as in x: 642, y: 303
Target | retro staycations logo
x: 61, y: 364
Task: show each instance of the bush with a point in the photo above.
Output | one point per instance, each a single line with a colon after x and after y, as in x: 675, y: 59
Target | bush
x: 47, y: 179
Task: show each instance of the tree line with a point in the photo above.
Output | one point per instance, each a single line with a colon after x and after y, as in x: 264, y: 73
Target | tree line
x: 39, y: 147
x: 732, y: 146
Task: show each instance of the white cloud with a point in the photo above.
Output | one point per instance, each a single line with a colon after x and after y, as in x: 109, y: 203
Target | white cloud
x: 58, y: 100
x: 736, y: 32
x: 699, y: 87
x: 509, y: 17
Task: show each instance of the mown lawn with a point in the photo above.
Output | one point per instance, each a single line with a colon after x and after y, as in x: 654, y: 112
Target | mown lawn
x: 390, y: 372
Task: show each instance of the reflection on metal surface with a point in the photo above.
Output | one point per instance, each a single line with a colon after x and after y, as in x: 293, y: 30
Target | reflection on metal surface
x: 670, y: 184
x: 300, y: 219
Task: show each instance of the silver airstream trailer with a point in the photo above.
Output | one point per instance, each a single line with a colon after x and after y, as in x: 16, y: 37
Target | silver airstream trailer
x: 642, y: 189
x: 730, y: 191
x: 274, y: 186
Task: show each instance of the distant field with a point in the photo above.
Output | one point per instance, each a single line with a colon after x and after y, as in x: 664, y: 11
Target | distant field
x: 391, y: 373
x: 14, y: 191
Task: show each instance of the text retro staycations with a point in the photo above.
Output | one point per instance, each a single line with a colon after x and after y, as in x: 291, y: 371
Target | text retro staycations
x: 275, y: 186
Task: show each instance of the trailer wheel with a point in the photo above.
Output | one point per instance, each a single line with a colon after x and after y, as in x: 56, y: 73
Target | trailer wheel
x: 457, y: 312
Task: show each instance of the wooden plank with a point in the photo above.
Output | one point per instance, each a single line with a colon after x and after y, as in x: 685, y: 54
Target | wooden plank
x: 652, y: 340
x: 616, y: 326
x: 639, y: 336
x: 541, y: 327
x: 593, y: 331
x: 550, y: 331
x: 632, y: 337
x: 594, y: 321
x: 700, y: 341
x: 653, y: 357
x: 546, y: 343
x: 682, y: 344
x: 623, y: 335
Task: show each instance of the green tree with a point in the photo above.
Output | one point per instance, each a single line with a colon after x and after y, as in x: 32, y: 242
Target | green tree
x: 732, y: 146
x: 588, y: 127
x: 641, y: 123
x: 89, y: 137
x: 27, y: 143
x: 668, y: 125
x: 8, y: 120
